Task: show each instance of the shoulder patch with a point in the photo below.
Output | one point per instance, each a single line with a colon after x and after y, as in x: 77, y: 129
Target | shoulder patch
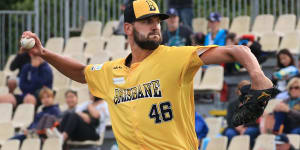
x: 96, y: 67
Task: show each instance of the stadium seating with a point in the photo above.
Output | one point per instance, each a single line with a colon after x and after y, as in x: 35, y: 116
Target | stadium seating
x: 52, y: 144
x: 240, y: 142
x: 214, y: 125
x: 213, y: 79
x: 271, y: 105
x: 285, y: 23
x: 109, y: 29
x: 224, y: 23
x: 115, y: 46
x: 294, y: 140
x: 74, y: 46
x: 200, y: 25
x: 11, y: 145
x: 298, y: 26
x: 91, y: 29
x: 3, y: 90
x: 6, y: 69
x: 55, y: 44
x: 240, y: 25
x: 197, y: 79
x: 6, y: 131
x: 76, y: 85
x: 290, y: 41
x: 2, y: 78
x: 60, y: 96
x: 59, y: 80
x: 219, y: 143
x: 265, y: 142
x: 31, y: 144
x: 23, y: 116
x: 269, y: 41
x: 6, y: 110
x: 94, y: 46
x: 262, y: 24
x: 83, y: 94
x: 99, y: 58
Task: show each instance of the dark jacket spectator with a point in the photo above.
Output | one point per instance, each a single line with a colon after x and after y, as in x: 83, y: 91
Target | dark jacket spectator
x: 176, y: 34
x: 34, y: 78
x: 200, y: 127
x: 185, y: 11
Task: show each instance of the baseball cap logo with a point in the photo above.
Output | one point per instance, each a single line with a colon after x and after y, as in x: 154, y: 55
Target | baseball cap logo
x: 151, y: 6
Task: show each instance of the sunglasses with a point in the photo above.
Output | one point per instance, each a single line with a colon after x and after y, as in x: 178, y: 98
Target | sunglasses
x: 294, y: 87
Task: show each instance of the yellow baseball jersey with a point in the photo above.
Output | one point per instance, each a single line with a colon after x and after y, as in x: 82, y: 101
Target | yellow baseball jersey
x: 151, y: 104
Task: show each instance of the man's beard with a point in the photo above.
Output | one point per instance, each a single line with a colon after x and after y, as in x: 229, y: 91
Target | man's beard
x: 145, y: 42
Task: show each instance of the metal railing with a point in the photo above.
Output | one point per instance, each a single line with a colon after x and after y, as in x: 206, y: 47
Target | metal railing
x: 59, y: 18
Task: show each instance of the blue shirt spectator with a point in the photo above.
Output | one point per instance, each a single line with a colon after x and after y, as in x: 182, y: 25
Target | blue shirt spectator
x: 216, y: 35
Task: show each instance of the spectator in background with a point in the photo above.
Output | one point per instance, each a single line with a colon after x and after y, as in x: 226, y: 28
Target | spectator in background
x: 34, y: 76
x: 71, y: 101
x: 282, y: 143
x: 176, y: 34
x: 49, y: 108
x: 86, y: 123
x: 250, y: 129
x: 120, y: 28
x: 215, y: 36
x: 285, y: 69
x: 185, y: 11
x: 287, y: 113
x: 200, y: 127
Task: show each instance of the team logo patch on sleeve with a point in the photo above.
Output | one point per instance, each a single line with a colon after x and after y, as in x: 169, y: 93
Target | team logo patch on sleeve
x: 97, y: 67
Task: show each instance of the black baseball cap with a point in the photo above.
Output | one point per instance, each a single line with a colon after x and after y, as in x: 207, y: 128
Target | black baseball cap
x: 281, y: 139
x: 141, y: 9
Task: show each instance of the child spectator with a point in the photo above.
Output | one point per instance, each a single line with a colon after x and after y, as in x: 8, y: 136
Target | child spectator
x: 285, y: 70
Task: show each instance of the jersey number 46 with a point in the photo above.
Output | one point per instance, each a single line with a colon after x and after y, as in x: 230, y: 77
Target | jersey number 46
x: 161, y: 112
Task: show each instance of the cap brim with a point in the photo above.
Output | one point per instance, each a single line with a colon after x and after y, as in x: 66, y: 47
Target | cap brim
x: 160, y: 15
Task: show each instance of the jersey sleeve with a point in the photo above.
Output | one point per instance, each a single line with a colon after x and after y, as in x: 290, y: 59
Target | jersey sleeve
x: 96, y: 78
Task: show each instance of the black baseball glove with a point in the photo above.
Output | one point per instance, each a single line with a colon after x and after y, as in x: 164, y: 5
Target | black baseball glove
x: 253, y: 104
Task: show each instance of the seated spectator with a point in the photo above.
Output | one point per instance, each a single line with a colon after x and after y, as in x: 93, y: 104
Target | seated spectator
x: 86, y: 123
x: 47, y: 97
x: 200, y: 127
x: 287, y: 113
x: 215, y: 36
x: 176, y: 34
x: 71, y: 101
x: 250, y: 129
x: 120, y: 28
x: 285, y: 69
x: 34, y: 76
x: 283, y: 143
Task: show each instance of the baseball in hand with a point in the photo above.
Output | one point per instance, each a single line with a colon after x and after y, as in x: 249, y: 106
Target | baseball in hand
x: 27, y: 43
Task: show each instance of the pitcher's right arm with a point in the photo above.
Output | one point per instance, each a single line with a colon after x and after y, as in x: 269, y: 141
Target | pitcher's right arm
x: 67, y: 66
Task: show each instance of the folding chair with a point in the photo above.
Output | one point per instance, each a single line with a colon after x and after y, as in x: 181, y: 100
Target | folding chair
x: 23, y: 116
x: 6, y: 110
x: 285, y: 23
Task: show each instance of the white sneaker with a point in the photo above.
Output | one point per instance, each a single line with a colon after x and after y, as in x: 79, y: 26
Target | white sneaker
x: 50, y: 133
x: 58, y: 135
